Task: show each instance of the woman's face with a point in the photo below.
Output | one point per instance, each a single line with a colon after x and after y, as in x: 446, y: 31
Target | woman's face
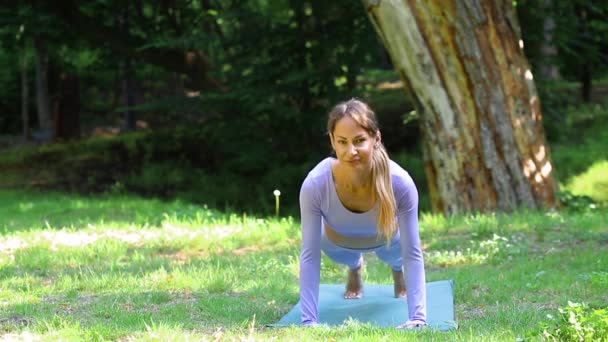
x: 353, y: 144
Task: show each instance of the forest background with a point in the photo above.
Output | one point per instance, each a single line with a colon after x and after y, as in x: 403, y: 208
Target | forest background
x: 220, y: 103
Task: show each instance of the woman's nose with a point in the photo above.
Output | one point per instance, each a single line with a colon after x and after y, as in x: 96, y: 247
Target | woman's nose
x: 352, y: 150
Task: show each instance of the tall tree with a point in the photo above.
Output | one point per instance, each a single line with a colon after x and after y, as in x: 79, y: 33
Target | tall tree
x: 548, y: 49
x: 32, y: 23
x: 25, y: 90
x: 129, y: 77
x: 43, y: 100
x: 483, y: 139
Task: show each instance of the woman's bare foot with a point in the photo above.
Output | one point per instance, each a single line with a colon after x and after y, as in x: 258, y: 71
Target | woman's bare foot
x: 354, y: 284
x: 400, y: 291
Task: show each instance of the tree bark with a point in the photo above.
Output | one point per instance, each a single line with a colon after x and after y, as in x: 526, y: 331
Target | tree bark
x: 25, y: 95
x: 548, y: 67
x: 483, y: 141
x: 129, y: 76
x: 304, y: 95
x: 129, y: 86
x: 586, y: 81
x: 67, y: 108
x: 43, y: 101
x: 585, y: 67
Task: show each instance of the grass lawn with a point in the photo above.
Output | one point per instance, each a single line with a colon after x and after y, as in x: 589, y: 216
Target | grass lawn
x: 126, y: 268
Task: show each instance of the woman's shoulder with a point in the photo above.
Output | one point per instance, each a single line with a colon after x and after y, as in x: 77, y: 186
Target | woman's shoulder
x: 318, y: 175
x: 404, y: 188
x: 400, y: 177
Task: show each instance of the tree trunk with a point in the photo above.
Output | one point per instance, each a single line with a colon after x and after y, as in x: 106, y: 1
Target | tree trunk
x: 130, y: 95
x: 548, y: 68
x: 585, y: 68
x: 483, y: 140
x: 586, y: 81
x: 43, y: 101
x: 128, y: 79
x: 25, y: 96
x: 304, y: 95
x: 67, y: 109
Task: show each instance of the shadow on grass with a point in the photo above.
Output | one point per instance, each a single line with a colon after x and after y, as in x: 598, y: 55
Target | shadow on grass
x: 31, y: 210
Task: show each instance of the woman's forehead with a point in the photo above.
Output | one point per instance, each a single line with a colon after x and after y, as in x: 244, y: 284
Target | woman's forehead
x: 347, y: 126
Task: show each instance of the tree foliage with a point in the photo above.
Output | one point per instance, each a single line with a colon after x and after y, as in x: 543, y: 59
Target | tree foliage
x: 254, y: 77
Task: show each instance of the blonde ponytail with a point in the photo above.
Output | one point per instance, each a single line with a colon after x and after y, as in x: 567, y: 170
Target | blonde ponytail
x: 383, y: 192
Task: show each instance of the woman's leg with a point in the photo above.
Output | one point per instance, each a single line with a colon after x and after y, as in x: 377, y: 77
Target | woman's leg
x: 391, y: 255
x: 352, y: 259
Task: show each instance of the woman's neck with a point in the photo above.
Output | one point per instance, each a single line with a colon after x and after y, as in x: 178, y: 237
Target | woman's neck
x: 353, y: 180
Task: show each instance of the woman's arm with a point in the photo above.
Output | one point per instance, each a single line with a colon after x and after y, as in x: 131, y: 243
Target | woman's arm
x: 406, y: 195
x: 310, y: 257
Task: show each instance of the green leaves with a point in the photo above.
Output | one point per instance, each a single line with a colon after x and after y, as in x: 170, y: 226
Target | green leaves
x: 576, y: 322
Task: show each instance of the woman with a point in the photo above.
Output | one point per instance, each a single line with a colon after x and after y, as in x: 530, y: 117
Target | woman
x: 357, y: 203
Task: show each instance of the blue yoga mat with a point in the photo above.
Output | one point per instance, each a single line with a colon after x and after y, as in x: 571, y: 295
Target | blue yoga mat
x: 379, y: 306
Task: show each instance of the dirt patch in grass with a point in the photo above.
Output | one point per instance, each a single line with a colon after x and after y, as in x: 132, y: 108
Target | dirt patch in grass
x: 465, y: 313
x: 10, y: 322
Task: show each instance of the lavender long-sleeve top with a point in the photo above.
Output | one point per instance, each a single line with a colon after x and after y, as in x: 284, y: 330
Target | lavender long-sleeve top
x: 319, y: 204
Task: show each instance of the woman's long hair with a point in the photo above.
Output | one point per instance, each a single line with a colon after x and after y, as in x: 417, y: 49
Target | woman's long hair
x: 381, y: 174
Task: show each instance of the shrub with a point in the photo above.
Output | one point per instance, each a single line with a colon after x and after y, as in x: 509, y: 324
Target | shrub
x: 576, y: 202
x: 576, y: 322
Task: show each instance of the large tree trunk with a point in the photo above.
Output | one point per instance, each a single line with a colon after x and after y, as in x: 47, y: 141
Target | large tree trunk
x: 483, y: 140
x: 43, y: 101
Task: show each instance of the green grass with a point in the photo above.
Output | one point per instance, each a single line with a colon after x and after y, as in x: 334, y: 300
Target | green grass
x: 128, y: 268
x: 121, y: 267
x: 593, y: 182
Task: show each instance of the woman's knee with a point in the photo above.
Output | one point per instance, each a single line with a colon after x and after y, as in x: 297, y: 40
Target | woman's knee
x: 391, y: 254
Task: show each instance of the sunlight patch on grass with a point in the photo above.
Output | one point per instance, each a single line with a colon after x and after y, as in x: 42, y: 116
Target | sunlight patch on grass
x: 23, y: 336
x: 10, y: 244
x: 592, y: 183
x: 497, y: 247
x: 164, y: 332
x: 57, y: 239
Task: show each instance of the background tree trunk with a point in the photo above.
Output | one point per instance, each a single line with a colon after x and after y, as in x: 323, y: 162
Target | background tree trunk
x: 585, y: 68
x: 25, y: 95
x: 129, y: 85
x: 483, y: 140
x: 67, y: 108
x: 42, y: 91
x: 305, y: 98
x: 548, y: 67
